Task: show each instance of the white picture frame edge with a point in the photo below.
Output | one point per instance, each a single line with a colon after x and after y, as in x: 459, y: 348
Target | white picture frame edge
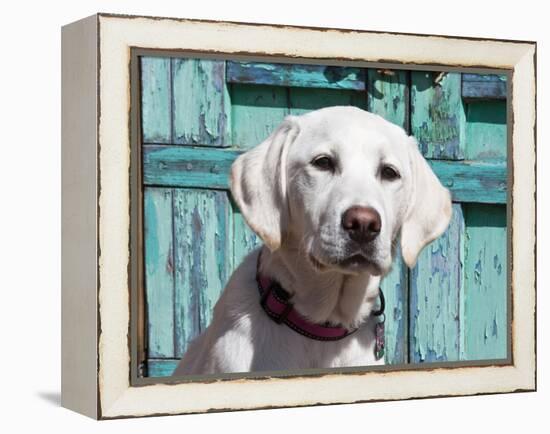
x: 95, y: 215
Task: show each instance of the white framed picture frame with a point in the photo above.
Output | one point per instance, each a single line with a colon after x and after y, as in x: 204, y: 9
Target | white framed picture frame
x: 102, y: 317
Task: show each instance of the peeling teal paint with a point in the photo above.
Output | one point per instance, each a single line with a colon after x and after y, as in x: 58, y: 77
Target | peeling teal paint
x: 436, y: 283
x: 388, y: 95
x: 437, y: 115
x: 395, y: 288
x: 156, y: 94
x: 486, y: 130
x: 290, y: 75
x: 161, y: 367
x: 303, y: 100
x: 159, y: 277
x: 245, y: 239
x: 451, y: 306
x: 485, y: 295
x: 483, y: 87
x: 256, y: 111
x: 203, y: 262
x: 200, y: 102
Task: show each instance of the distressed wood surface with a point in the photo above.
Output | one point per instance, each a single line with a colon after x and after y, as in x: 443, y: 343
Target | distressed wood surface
x: 302, y: 100
x: 450, y: 307
x: 201, y: 102
x: 156, y: 100
x: 486, y: 130
x: 485, y: 315
x: 473, y: 181
x: 395, y: 287
x: 187, y: 274
x: 290, y: 75
x: 437, y: 114
x: 182, y: 166
x: 485, y: 319
x: 255, y: 112
x: 161, y: 367
x: 245, y: 240
x: 388, y: 96
x: 202, y: 255
x: 159, y: 271
x: 178, y: 166
x: 481, y: 86
x: 435, y: 292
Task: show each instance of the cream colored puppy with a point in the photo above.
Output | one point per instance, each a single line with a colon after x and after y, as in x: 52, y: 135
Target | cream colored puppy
x: 329, y: 193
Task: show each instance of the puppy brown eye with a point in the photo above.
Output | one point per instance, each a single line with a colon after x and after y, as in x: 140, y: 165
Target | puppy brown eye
x: 323, y: 163
x: 388, y: 173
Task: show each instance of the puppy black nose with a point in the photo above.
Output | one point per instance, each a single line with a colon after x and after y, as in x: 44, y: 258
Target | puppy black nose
x: 362, y: 223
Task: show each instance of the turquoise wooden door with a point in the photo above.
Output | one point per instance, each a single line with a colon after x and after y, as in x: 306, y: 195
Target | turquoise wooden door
x: 198, y: 115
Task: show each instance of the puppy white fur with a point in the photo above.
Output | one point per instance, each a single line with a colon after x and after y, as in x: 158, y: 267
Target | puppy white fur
x: 293, y: 190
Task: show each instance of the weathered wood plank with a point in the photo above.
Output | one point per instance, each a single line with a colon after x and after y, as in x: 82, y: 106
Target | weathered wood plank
x: 303, y: 100
x: 437, y: 114
x: 473, y: 181
x: 178, y: 166
x: 202, y: 258
x: 218, y: 261
x: 395, y: 288
x: 485, y: 319
x: 483, y: 86
x: 435, y: 292
x: 255, y: 113
x: 485, y: 291
x: 388, y: 95
x: 156, y: 101
x: 293, y: 75
x: 201, y: 102
x: 161, y: 367
x: 245, y: 239
x: 187, y: 288
x: 183, y: 166
x: 159, y: 271
x: 486, y: 130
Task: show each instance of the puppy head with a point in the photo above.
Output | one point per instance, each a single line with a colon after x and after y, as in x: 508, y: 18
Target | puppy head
x: 340, y: 184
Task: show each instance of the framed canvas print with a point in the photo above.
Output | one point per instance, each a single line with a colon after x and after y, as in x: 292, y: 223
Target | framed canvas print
x: 261, y: 216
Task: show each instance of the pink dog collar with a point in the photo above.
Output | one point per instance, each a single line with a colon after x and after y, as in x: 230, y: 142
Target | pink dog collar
x: 276, y: 303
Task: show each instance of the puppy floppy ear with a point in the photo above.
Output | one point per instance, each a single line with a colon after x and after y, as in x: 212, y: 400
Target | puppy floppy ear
x: 429, y: 209
x: 259, y: 185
